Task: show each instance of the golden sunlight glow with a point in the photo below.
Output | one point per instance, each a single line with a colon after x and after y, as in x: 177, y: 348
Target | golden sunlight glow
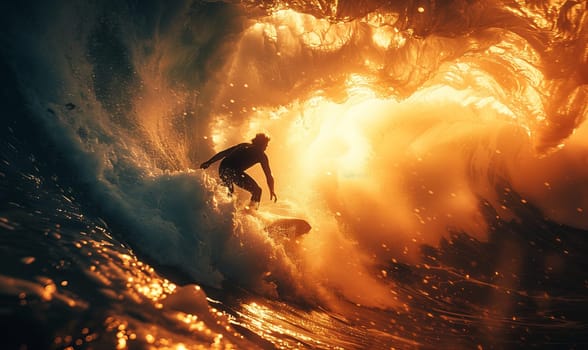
x: 324, y: 35
x: 376, y: 167
x: 360, y: 154
x: 383, y: 36
x: 320, y: 34
x: 341, y: 144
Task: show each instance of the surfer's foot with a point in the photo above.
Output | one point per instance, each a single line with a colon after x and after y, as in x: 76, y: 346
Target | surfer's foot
x: 252, y: 206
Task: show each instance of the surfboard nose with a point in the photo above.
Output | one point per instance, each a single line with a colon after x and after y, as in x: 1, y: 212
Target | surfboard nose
x: 304, y: 227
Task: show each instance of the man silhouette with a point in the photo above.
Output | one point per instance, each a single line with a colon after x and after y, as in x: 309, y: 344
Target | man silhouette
x: 237, y: 159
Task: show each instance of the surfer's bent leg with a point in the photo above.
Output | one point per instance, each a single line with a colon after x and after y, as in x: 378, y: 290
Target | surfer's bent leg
x: 246, y: 182
x: 227, y: 177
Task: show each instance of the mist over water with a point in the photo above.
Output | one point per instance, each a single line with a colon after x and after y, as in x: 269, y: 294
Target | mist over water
x: 394, y: 128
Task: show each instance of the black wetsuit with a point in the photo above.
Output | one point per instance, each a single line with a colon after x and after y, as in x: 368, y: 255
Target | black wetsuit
x: 238, y: 159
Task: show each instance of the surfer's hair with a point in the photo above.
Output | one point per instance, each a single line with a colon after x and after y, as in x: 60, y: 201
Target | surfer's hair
x: 260, y: 138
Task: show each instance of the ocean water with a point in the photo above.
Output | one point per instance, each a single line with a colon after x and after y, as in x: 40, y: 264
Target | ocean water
x: 438, y: 150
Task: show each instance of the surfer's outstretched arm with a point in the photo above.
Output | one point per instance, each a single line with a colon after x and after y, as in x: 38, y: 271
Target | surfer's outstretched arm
x: 220, y: 155
x: 268, y: 176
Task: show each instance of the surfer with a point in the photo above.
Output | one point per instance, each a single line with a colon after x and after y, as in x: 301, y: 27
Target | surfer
x: 237, y: 159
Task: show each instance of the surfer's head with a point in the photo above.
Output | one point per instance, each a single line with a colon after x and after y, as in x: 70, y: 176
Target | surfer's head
x: 260, y: 140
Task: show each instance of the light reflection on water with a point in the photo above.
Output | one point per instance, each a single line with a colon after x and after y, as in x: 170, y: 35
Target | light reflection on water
x: 508, y: 291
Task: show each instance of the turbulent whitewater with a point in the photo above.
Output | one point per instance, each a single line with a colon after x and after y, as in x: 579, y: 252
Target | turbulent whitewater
x: 438, y: 150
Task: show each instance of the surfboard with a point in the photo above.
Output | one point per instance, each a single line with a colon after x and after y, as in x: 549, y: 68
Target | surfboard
x: 280, y: 227
x: 290, y: 228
